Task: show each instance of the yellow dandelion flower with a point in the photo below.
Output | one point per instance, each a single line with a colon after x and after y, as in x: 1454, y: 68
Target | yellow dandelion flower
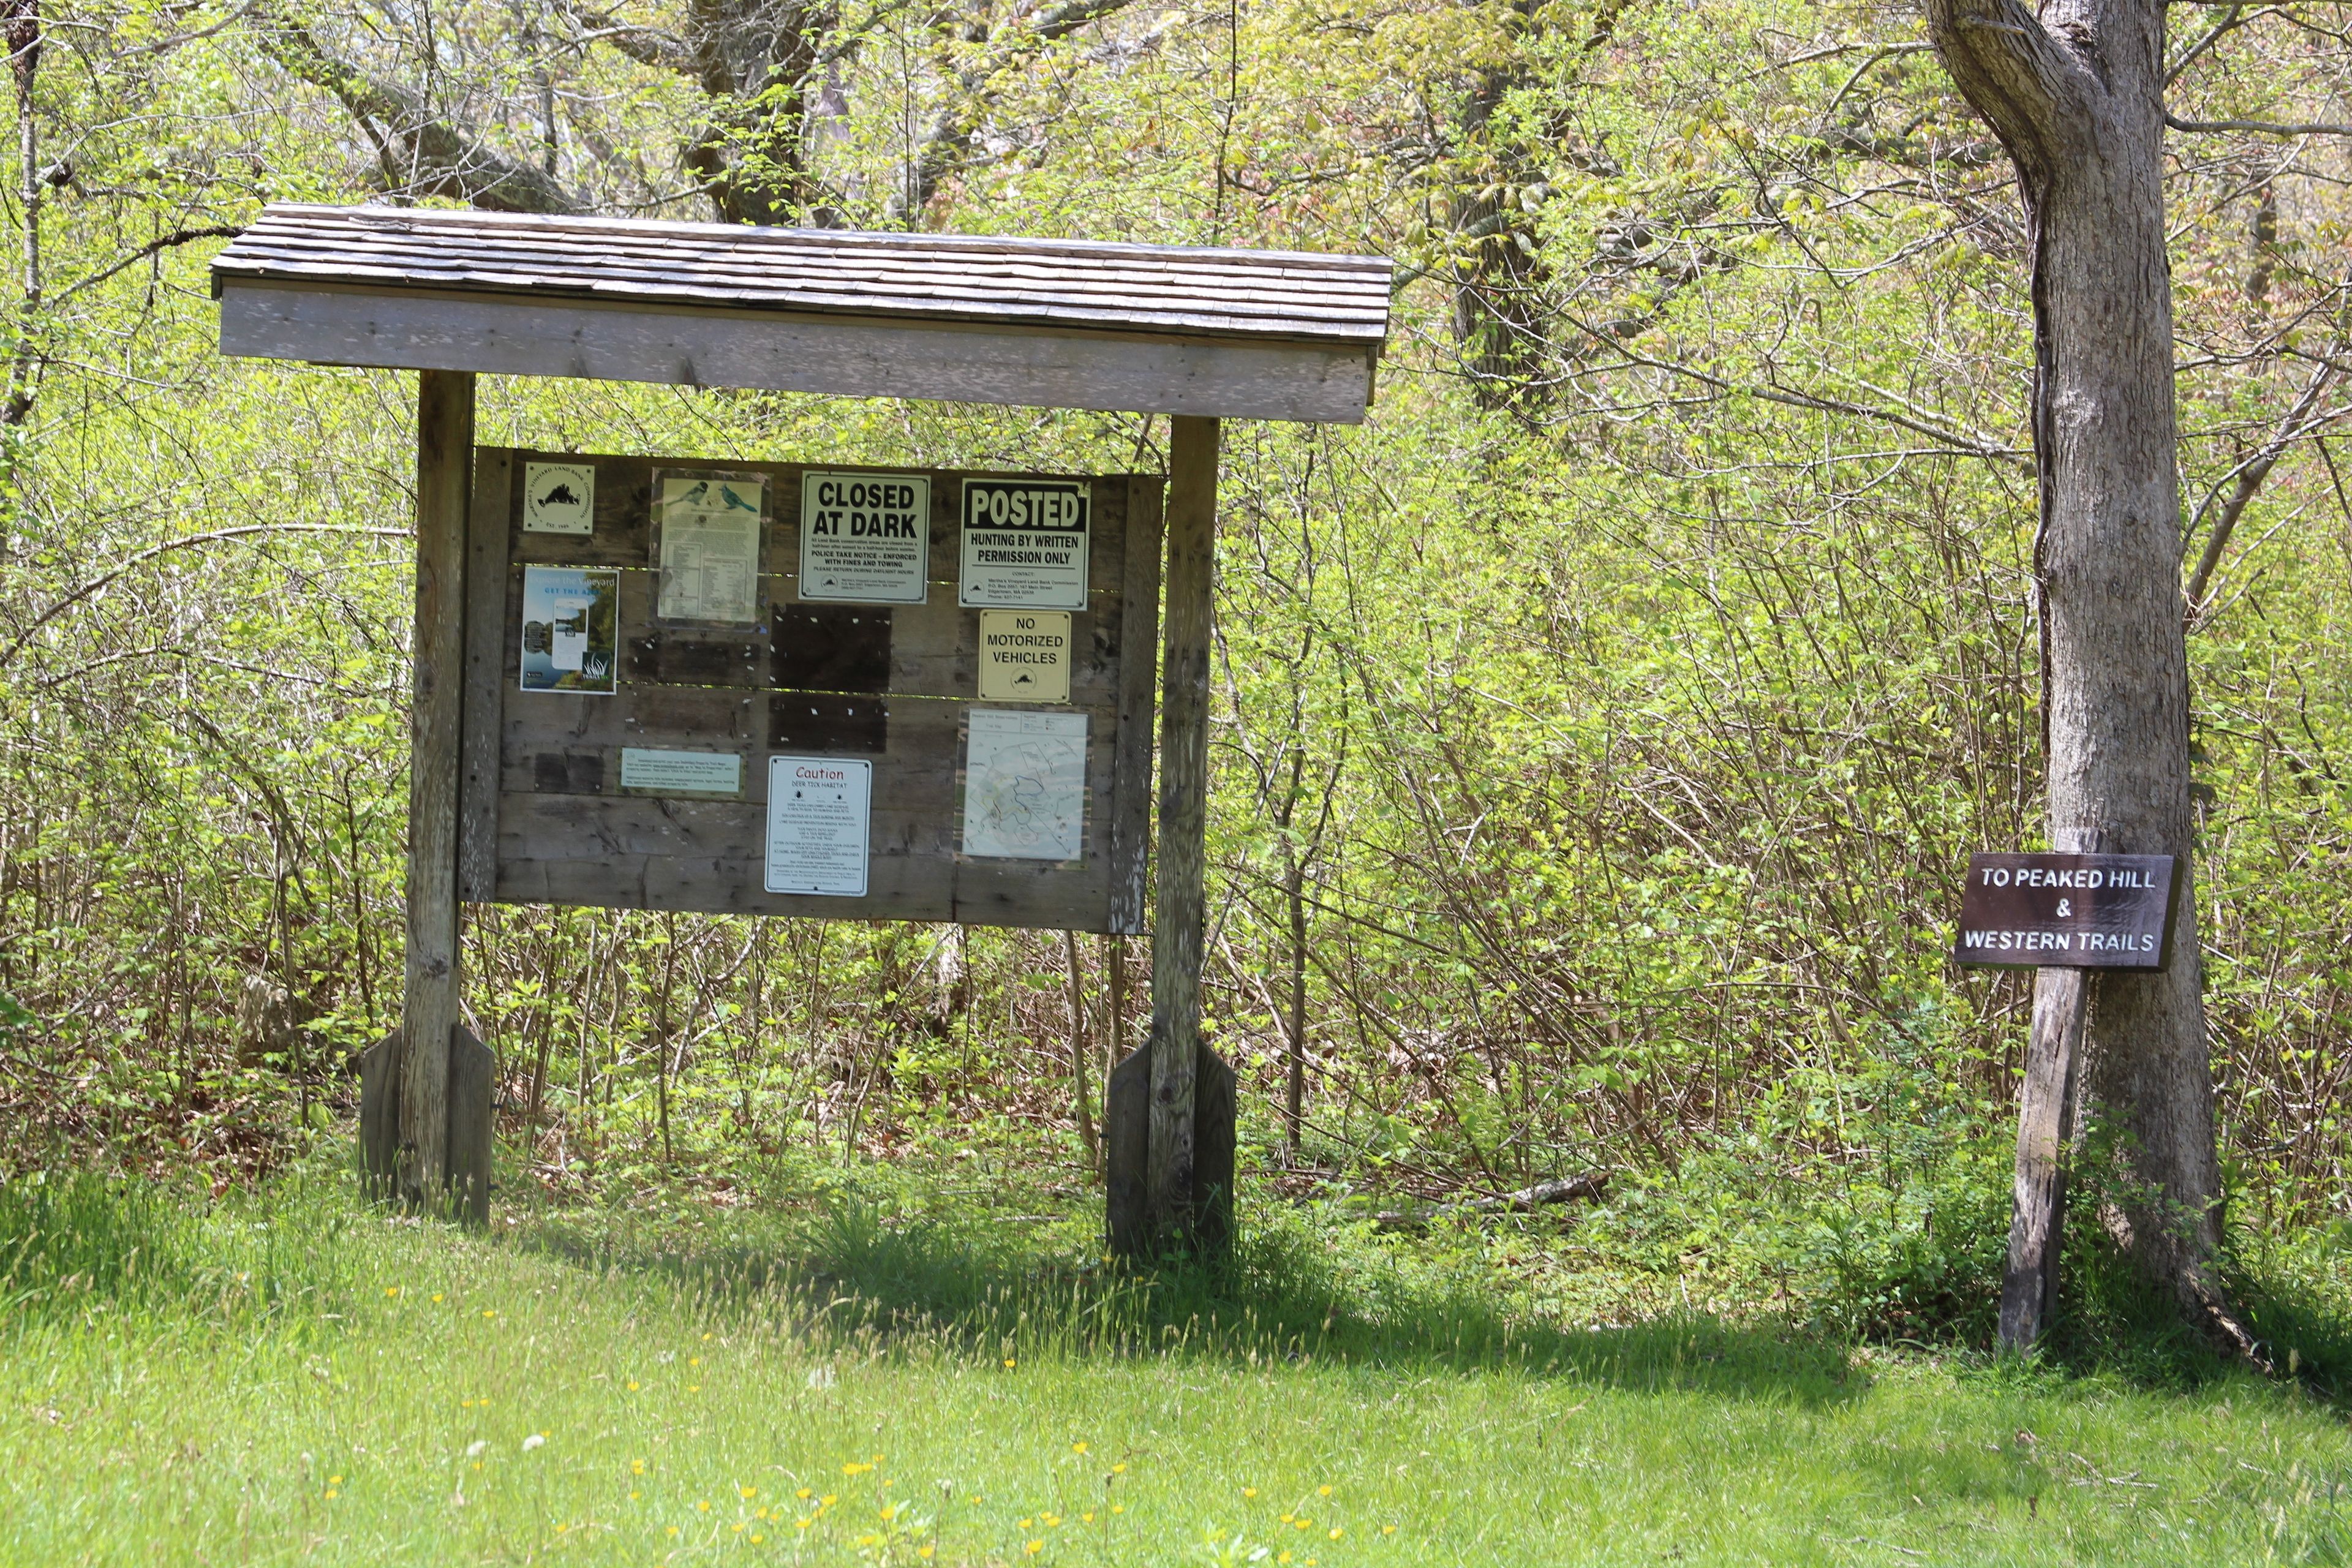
x: 673, y: 1530
x: 828, y: 1500
x: 757, y: 1538
x: 737, y: 1527
x: 1249, y: 1491
x: 1284, y: 1558
x: 562, y: 1528
x: 1388, y: 1530
x: 760, y: 1512
x: 1119, y: 1469
x: 705, y: 1336
x: 334, y: 1480
x: 1008, y: 1361
x: 1020, y: 1524
x: 1078, y: 1447
x: 889, y: 1510
x: 1322, y: 1492
x: 632, y: 1385
x: 694, y: 1388
x: 331, y: 1492
x: 1301, y: 1524
x: 635, y: 1496
x: 800, y: 1523
x: 1337, y: 1533
x: 636, y: 1467
x: 1053, y: 1521
x: 925, y: 1552
x: 803, y: 1492
x: 392, y: 1290
x: 702, y: 1507
x: 748, y: 1492
x: 694, y: 1360
x: 436, y: 1298
x: 1288, y: 1517
x: 1034, y: 1548
x: 490, y: 1312
x: 1086, y: 1519
x: 1119, y: 1508
x: 877, y: 1459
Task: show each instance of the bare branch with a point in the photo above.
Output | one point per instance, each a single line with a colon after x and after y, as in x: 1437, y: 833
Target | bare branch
x: 2257, y: 127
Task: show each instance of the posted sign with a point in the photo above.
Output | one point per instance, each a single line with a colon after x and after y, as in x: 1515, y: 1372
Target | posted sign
x: 1025, y: 544
x: 2067, y: 911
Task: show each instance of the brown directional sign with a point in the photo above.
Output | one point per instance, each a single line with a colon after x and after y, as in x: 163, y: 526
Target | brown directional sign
x: 2067, y: 911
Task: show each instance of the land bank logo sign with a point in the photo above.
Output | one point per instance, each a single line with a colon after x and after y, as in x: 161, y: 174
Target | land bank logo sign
x: 1025, y: 544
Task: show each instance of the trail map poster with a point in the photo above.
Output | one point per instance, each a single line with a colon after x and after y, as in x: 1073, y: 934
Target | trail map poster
x: 1025, y: 543
x: 569, y: 614
x: 709, y: 551
x: 1024, y: 784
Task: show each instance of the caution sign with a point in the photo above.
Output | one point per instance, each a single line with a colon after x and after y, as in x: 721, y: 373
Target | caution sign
x: 1025, y: 656
x: 866, y: 539
x: 1025, y: 544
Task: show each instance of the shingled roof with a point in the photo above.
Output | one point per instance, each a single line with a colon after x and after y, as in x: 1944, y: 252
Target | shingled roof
x: 1281, y: 335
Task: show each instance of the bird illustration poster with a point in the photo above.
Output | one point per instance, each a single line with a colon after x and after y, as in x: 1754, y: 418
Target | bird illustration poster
x: 569, y: 618
x: 710, y: 527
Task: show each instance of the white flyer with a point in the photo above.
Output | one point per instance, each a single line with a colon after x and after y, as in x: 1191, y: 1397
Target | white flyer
x: 819, y: 811
x: 1024, y: 784
x: 710, y: 560
x: 866, y: 539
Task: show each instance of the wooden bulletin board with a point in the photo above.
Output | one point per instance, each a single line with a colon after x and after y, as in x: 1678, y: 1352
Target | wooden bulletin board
x: 544, y: 817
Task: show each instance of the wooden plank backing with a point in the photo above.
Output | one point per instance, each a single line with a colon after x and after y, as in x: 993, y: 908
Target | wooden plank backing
x: 888, y: 683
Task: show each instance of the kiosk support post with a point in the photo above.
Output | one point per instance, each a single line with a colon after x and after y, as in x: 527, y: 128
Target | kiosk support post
x: 445, y: 450
x: 2045, y: 1116
x: 1179, y: 924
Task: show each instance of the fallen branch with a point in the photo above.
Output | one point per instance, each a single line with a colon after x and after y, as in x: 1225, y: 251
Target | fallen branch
x: 1589, y: 1186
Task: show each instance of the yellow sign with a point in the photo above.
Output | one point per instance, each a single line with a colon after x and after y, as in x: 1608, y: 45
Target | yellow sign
x: 1025, y: 656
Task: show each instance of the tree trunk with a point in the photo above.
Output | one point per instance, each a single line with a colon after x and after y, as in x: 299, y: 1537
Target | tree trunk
x: 2076, y: 97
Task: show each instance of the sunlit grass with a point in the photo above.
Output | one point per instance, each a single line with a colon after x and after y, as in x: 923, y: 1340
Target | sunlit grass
x: 297, y: 1380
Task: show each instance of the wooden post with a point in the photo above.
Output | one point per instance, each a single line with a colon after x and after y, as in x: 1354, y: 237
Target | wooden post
x: 445, y: 450
x: 2045, y: 1115
x: 1178, y: 930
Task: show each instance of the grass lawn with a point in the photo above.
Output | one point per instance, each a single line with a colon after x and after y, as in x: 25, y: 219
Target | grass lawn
x: 293, y: 1379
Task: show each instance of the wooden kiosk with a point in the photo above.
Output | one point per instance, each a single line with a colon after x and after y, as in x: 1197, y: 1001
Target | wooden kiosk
x: 640, y: 783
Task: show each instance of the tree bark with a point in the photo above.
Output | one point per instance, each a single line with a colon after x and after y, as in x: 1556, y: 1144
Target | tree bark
x: 2076, y: 95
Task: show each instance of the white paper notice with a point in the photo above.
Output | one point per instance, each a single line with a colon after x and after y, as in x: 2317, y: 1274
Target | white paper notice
x: 819, y: 813
x: 1024, y: 784
x: 654, y: 770
x: 710, y: 548
x: 866, y: 539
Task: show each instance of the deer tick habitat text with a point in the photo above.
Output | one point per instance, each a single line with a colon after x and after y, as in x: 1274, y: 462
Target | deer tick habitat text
x: 2067, y: 911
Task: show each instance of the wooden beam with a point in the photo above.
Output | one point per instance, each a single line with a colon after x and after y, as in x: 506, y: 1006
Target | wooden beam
x: 1177, y: 931
x: 444, y: 451
x: 2045, y: 1115
x: 1138, y: 637
x: 490, y: 524
x: 1026, y: 366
